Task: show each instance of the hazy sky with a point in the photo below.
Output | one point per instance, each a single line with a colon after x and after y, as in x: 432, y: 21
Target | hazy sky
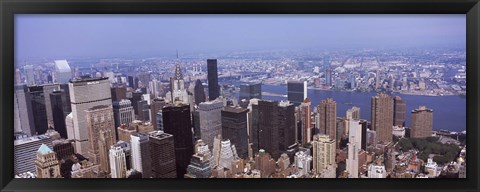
x: 66, y: 36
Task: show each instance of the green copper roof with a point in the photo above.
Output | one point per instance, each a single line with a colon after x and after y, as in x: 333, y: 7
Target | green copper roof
x: 44, y: 149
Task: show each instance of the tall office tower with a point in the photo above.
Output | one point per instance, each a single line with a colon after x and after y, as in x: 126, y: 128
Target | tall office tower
x: 39, y: 110
x: 422, y: 122
x: 296, y: 91
x: 196, y: 124
x: 24, y: 152
x: 234, y: 128
x: 101, y: 134
x: 18, y: 77
x: 84, y: 94
x: 364, y: 127
x: 326, y: 61
x: 131, y: 82
x: 252, y: 118
x: 65, y: 89
x: 136, y: 97
x: 63, y: 73
x: 303, y: 161
x: 127, y: 149
x: 47, y: 90
x: 69, y: 127
x: 324, y: 152
x: 212, y: 76
x: 276, y: 127
x: 141, y: 156
x: 59, y: 108
x: 119, y: 92
x: 216, y: 150
x: 29, y: 74
x: 178, y: 91
x: 210, y: 115
x: 306, y: 119
x: 46, y: 163
x: 162, y: 151
x: 226, y: 155
x: 159, y: 120
x: 144, y: 78
x: 377, y: 79
x: 353, y: 113
x: 118, y: 163
x: 354, y: 147
x: 250, y: 91
x: 199, y: 92
x: 143, y: 110
x: 382, y: 117
x: 24, y: 109
x: 123, y: 113
x: 17, y: 125
x: 177, y: 121
x: 400, y: 110
x: 155, y: 108
x: 154, y: 88
x: 327, y: 110
x: 328, y: 77
x: 63, y: 148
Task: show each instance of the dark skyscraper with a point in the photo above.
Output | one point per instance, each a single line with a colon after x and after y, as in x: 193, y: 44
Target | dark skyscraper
x: 131, y: 82
x: 119, y: 92
x: 156, y: 106
x: 276, y: 123
x: 234, y: 128
x: 327, y: 111
x: 177, y: 121
x: 213, y: 87
x: 399, y: 113
x: 199, y: 92
x: 37, y: 99
x: 162, y: 150
x: 58, y: 104
x: 251, y: 91
x: 143, y: 110
x: 297, y: 92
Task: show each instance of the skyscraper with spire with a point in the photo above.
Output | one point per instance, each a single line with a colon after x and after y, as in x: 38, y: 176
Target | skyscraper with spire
x: 177, y: 84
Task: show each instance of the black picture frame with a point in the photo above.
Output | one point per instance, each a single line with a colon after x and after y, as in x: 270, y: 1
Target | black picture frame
x: 8, y: 8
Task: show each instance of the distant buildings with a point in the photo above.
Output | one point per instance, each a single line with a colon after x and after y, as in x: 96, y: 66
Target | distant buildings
x: 296, y: 92
x: 250, y: 91
x: 29, y: 74
x: 213, y: 87
x: 382, y: 117
x: 421, y: 123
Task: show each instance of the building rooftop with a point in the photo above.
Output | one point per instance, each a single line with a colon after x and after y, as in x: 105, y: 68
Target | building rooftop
x: 44, y: 149
x: 236, y: 109
x: 62, y: 66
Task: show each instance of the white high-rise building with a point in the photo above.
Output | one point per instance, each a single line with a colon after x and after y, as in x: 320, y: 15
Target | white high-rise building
x: 226, y: 155
x: 85, y: 94
x: 141, y: 159
x: 29, y: 74
x: 17, y: 125
x: 354, y: 147
x: 302, y: 162
x: 324, y: 152
x: 210, y: 115
x: 118, y: 165
x: 154, y: 88
x: 63, y: 72
x: 216, y: 150
x: 69, y: 126
x: 177, y: 84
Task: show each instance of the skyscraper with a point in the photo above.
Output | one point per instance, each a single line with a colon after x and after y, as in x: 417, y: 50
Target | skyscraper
x: 47, y: 89
x: 328, y: 77
x: 303, y: 161
x: 276, y: 127
x: 353, y: 113
x: 84, y: 94
x: 306, y: 120
x: 327, y: 111
x: 213, y: 87
x: 101, y: 134
x: 58, y: 101
x: 354, y: 147
x: 154, y: 88
x: 250, y: 91
x: 118, y: 165
x: 210, y: 115
x: 382, y: 117
x: 24, y: 110
x: 46, y: 163
x: 324, y: 152
x: 377, y: 79
x: 234, y: 128
x: 119, y: 92
x: 177, y: 84
x: 155, y: 107
x: 296, y: 92
x: 399, y: 114
x: 123, y: 113
x: 202, y: 162
x: 38, y: 108
x: 199, y: 92
x: 162, y: 151
x: 63, y: 73
x: 177, y: 121
x: 143, y: 110
x: 29, y: 74
x: 422, y: 122
x: 141, y: 156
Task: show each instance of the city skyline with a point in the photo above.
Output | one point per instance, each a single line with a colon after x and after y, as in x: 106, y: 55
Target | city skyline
x: 161, y: 35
